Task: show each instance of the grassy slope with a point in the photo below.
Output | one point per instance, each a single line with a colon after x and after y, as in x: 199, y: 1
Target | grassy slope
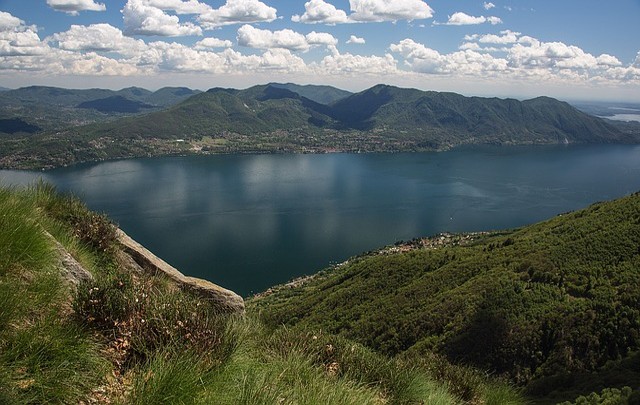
x: 132, y: 338
x: 547, y: 305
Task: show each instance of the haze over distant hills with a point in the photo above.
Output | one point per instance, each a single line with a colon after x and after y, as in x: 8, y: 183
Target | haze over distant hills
x: 277, y: 118
x: 53, y: 108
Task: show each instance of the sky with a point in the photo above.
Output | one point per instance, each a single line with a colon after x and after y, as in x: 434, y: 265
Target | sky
x: 569, y: 49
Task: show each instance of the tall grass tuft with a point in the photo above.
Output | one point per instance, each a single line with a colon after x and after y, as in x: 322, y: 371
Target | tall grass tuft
x: 43, y: 357
x: 24, y: 245
x: 169, y: 377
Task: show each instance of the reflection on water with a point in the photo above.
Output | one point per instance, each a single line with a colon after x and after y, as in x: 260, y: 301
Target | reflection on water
x: 250, y: 221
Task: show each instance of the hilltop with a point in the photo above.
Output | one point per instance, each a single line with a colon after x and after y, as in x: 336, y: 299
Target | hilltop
x: 277, y: 118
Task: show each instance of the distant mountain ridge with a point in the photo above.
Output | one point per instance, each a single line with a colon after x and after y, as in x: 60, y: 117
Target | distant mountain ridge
x: 46, y: 108
x: 427, y: 120
x: 281, y: 118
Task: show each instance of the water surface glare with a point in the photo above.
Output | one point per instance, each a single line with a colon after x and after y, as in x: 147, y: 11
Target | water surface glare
x: 247, y: 222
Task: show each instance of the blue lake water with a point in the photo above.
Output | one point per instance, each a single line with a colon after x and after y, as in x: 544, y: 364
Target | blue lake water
x: 247, y: 222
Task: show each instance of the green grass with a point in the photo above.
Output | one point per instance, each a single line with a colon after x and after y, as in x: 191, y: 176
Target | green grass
x: 44, y: 358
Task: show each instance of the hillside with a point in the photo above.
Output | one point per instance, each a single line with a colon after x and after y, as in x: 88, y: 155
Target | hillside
x: 279, y: 118
x: 553, y: 307
x: 53, y: 109
x: 319, y: 94
x: 84, y: 319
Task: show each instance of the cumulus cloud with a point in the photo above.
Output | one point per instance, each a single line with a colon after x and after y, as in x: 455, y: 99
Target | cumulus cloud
x: 151, y: 17
x: 97, y: 38
x: 389, y: 10
x: 355, y: 40
x: 74, y: 7
x: 461, y: 18
x: 524, y: 57
x: 319, y: 11
x: 488, y: 6
x: 9, y: 22
x: 237, y: 12
x: 505, y: 37
x: 180, y: 6
x: 17, y: 39
x: 212, y: 43
x: 321, y: 38
x: 142, y: 18
x: 349, y: 64
x: 252, y: 37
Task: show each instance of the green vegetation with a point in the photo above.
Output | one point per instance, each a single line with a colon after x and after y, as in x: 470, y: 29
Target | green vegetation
x: 130, y: 337
x: 553, y: 307
x: 544, y: 314
x: 278, y: 118
x: 34, y: 109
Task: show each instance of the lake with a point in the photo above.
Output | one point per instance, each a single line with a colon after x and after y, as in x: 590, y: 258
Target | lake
x: 247, y: 222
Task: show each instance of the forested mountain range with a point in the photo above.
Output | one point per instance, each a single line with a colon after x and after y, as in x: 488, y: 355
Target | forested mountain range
x: 276, y: 118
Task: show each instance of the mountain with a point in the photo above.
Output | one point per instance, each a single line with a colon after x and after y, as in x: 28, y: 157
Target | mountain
x: 115, y: 104
x: 54, y: 109
x: 421, y: 120
x: 319, y: 94
x: 449, y: 118
x: 273, y: 118
x: 553, y: 306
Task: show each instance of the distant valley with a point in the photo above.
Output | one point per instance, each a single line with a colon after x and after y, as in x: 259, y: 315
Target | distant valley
x: 45, y: 127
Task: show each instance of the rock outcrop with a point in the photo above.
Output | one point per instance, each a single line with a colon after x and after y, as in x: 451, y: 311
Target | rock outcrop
x: 227, y: 300
x: 73, y: 273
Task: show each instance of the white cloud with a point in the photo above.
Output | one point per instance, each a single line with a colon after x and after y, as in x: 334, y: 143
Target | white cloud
x: 212, y: 43
x: 174, y: 57
x: 460, y: 18
x: 355, y: 40
x: 97, y: 38
x: 418, y: 57
x: 468, y: 62
x: 9, y: 22
x: 73, y: 7
x: 281, y: 60
x: 389, y: 10
x: 319, y: 11
x: 237, y: 12
x: 348, y: 64
x: 488, y: 6
x: 321, y: 38
x: 525, y: 58
x: 608, y: 60
x: 505, y: 37
x: 141, y: 18
x: 92, y: 64
x: 252, y: 37
x: 180, y: 6
x: 17, y: 39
